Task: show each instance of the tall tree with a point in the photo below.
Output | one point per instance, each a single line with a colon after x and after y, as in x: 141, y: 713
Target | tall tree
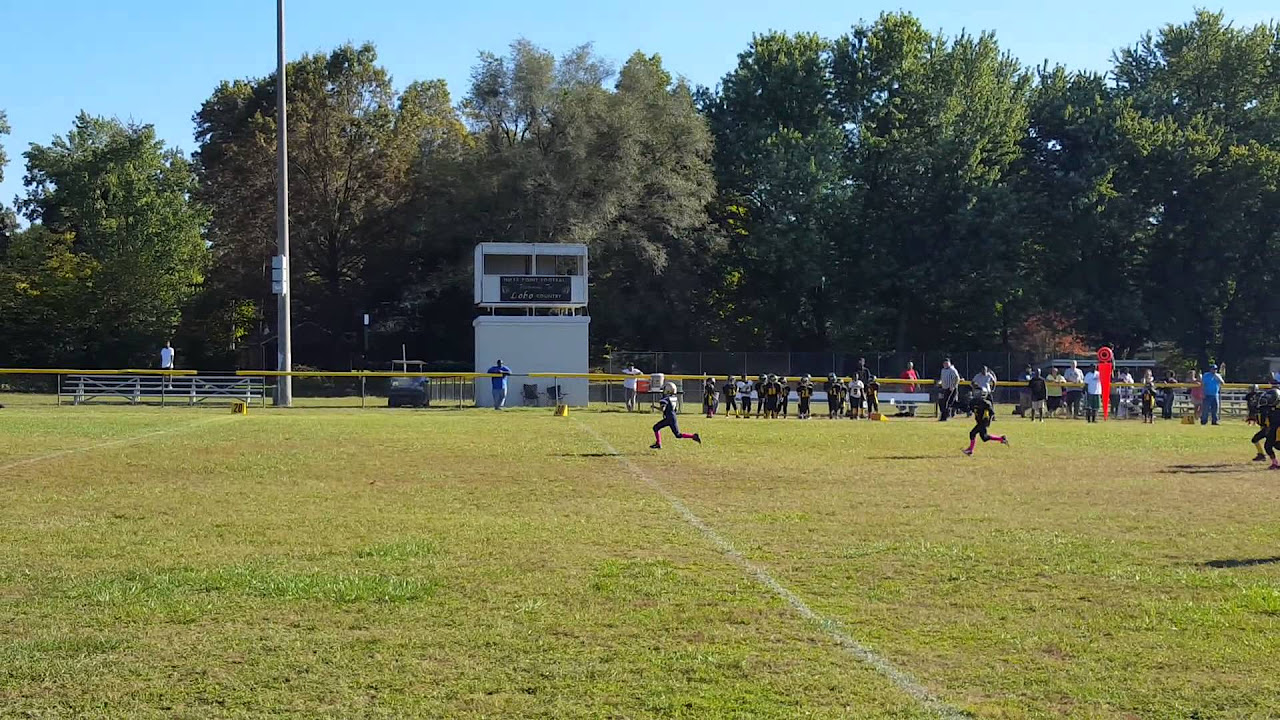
x: 47, y: 300
x: 562, y: 158
x: 782, y: 188
x: 115, y: 206
x: 933, y: 128
x: 8, y: 221
x: 1087, y: 225
x: 354, y: 146
x: 1204, y: 128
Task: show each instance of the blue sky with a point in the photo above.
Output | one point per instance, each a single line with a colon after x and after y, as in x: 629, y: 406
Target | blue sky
x: 155, y: 61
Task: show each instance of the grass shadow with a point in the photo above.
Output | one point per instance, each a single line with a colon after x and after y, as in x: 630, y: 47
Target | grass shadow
x: 907, y: 457
x: 587, y: 455
x: 1248, y: 562
x: 1202, y: 469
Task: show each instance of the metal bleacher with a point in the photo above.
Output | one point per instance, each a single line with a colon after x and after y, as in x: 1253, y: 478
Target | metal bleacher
x: 189, y: 389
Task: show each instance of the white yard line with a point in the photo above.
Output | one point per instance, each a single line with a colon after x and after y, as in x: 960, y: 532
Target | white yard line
x: 110, y: 443
x: 862, y: 653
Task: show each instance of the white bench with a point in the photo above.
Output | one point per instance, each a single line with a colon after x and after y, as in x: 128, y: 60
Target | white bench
x: 192, y: 389
x: 905, y: 401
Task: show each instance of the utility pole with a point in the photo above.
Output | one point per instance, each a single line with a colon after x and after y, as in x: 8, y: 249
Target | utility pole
x: 280, y: 263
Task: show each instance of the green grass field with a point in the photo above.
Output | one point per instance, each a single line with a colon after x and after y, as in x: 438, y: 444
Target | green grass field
x: 344, y: 563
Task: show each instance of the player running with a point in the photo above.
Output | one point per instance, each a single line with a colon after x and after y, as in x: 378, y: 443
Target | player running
x: 668, y: 406
x: 983, y: 414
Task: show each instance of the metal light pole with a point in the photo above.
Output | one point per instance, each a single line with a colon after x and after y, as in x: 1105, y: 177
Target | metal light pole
x: 280, y: 264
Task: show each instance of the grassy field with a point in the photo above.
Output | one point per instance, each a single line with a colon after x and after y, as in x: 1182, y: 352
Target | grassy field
x: 342, y: 563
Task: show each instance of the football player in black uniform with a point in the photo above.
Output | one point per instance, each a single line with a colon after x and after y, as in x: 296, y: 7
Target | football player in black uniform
x: 1269, y: 405
x: 729, y: 396
x: 1257, y: 416
x: 983, y: 414
x: 709, y: 391
x: 1148, y: 403
x: 805, y: 393
x: 832, y: 389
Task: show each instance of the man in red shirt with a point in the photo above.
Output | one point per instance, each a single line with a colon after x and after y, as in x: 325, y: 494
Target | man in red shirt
x: 910, y: 374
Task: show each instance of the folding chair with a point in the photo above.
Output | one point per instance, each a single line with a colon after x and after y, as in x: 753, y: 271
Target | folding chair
x: 529, y: 395
x: 556, y: 395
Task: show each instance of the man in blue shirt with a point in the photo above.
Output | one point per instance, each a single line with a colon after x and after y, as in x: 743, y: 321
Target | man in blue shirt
x: 1212, y: 385
x: 499, y: 384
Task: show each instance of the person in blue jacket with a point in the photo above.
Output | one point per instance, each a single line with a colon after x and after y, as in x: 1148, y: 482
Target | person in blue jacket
x: 499, y: 384
x: 1211, y: 382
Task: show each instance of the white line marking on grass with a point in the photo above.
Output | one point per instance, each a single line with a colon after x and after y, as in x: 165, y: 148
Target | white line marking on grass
x: 864, y: 654
x: 110, y: 443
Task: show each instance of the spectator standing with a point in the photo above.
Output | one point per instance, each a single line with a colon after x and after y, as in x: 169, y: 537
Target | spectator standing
x: 1039, y: 392
x: 1124, y: 393
x: 1093, y: 395
x: 948, y: 384
x: 1168, y: 395
x: 984, y: 380
x: 1196, y: 393
x: 166, y: 357
x: 1211, y: 385
x: 1055, y: 390
x: 499, y: 383
x: 1074, y: 375
x: 910, y: 374
x: 629, y: 385
x: 862, y: 372
x: 1024, y: 393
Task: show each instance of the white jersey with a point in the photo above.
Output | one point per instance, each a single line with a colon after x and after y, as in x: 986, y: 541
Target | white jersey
x: 668, y: 404
x: 744, y: 388
x: 855, y: 388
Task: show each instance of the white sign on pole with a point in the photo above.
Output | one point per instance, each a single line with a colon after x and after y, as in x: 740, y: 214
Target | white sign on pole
x: 280, y: 275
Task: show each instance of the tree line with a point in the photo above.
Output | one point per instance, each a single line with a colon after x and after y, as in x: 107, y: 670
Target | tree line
x: 890, y: 188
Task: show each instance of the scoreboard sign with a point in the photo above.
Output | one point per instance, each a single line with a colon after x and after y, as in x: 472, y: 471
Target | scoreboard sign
x: 535, y: 289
